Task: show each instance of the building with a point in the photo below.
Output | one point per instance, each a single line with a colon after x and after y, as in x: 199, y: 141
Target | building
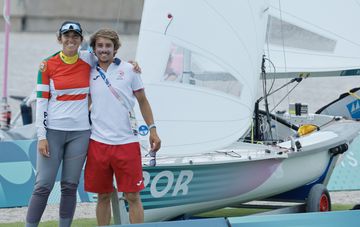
x: 47, y: 15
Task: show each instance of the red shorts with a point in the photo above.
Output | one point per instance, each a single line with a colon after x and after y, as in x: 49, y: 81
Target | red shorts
x: 103, y: 161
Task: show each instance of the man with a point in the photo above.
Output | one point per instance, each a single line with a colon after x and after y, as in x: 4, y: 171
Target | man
x: 114, y: 146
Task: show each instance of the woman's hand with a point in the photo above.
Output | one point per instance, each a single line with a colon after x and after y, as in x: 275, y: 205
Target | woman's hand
x: 43, y: 148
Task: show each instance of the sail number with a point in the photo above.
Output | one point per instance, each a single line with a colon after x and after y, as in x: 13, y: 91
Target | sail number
x: 179, y: 184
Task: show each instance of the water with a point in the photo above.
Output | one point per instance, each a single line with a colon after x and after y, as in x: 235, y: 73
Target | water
x: 28, y: 49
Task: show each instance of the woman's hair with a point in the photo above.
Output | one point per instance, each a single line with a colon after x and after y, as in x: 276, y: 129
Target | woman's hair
x: 108, y: 34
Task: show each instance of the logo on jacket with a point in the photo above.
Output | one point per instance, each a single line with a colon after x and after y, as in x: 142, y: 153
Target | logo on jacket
x: 121, y: 75
x: 95, y: 78
x: 43, y: 66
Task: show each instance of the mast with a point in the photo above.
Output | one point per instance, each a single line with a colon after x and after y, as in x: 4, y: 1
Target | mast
x: 5, y: 109
x: 6, y: 49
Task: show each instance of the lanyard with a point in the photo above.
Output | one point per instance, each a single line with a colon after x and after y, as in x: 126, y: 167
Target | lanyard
x: 108, y: 84
x: 132, y: 118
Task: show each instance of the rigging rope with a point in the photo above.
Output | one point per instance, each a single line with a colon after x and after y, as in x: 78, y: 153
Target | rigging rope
x: 354, y: 94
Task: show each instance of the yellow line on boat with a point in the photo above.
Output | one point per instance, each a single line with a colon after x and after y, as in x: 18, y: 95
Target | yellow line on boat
x: 354, y: 94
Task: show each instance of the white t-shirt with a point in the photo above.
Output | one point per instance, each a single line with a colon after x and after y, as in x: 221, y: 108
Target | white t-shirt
x: 110, y: 118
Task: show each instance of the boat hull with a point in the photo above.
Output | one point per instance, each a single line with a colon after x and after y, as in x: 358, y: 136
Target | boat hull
x: 190, y: 189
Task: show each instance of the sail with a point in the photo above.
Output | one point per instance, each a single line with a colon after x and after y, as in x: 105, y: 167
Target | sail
x: 304, y: 37
x: 201, y: 62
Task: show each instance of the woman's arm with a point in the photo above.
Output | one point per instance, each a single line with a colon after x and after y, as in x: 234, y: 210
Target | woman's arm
x: 42, y: 101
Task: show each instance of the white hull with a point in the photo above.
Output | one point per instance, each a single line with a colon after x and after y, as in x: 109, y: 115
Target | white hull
x: 261, y: 176
x: 289, y: 175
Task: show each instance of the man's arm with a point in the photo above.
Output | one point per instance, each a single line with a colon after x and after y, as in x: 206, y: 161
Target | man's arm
x: 146, y: 112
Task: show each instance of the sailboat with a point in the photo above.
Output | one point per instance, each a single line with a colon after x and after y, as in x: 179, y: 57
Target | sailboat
x: 201, y: 63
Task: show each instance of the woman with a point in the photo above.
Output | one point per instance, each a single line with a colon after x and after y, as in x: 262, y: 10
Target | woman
x: 62, y: 124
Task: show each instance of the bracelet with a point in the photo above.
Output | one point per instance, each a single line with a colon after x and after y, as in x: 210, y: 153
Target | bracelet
x: 151, y: 126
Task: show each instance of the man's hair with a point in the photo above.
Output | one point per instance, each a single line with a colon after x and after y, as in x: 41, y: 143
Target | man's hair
x: 108, y: 34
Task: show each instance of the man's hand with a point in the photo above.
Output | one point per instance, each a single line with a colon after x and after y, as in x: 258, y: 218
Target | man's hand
x: 43, y: 148
x: 136, y: 67
x: 154, y: 140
